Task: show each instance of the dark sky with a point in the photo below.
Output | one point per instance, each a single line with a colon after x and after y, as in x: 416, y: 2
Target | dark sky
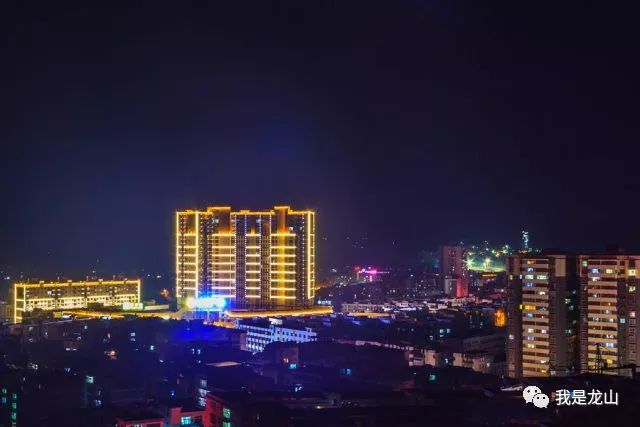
x: 404, y: 123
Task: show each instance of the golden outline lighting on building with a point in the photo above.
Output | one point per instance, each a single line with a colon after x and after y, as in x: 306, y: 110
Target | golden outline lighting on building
x: 70, y: 295
x: 253, y: 259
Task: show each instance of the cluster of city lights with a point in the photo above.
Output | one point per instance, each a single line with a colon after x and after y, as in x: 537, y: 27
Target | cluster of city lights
x: 487, y: 258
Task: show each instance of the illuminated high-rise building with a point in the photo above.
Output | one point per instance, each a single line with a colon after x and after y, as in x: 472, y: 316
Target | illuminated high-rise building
x: 260, y: 259
x: 525, y: 241
x: 200, y: 268
x: 542, y: 319
x: 609, y: 300
x: 454, y: 276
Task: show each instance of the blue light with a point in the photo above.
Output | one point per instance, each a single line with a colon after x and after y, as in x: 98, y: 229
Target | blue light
x: 207, y: 303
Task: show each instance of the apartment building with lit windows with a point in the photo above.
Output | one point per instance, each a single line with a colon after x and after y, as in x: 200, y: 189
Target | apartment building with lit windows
x: 71, y: 295
x: 608, y: 303
x: 252, y: 259
x: 454, y: 276
x: 542, y: 315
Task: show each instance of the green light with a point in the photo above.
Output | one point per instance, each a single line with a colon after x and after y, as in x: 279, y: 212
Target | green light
x: 226, y: 413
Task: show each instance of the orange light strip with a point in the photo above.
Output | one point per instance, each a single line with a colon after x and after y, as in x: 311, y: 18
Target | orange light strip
x: 270, y: 313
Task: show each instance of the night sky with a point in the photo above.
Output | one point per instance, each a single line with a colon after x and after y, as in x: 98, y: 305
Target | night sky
x: 405, y: 124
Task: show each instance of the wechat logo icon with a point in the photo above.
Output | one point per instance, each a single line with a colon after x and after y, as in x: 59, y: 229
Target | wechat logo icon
x: 533, y: 394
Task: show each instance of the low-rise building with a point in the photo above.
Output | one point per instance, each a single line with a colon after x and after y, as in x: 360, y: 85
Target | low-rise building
x: 261, y: 332
x: 490, y: 343
x: 70, y: 295
x: 363, y: 307
x: 478, y: 361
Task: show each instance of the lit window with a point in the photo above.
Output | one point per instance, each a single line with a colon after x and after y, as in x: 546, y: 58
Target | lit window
x: 226, y: 412
x: 185, y: 421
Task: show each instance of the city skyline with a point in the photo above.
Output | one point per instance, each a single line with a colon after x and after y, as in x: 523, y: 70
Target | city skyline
x: 328, y: 213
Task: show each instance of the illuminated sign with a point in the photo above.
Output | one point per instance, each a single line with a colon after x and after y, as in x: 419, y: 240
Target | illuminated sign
x: 207, y: 303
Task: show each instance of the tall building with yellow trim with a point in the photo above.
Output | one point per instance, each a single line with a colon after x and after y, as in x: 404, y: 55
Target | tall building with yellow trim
x: 253, y: 259
x: 72, y: 295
